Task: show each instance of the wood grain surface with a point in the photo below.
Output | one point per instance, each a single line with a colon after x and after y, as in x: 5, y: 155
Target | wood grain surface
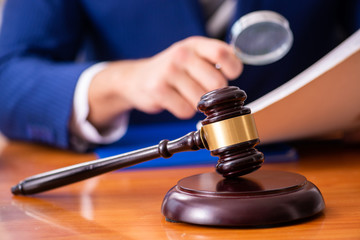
x: 126, y: 204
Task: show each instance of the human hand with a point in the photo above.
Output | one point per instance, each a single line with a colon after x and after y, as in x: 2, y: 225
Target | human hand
x: 172, y: 80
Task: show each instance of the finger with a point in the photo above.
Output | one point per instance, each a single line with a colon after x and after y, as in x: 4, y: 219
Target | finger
x: 188, y: 88
x: 205, y: 73
x: 218, y: 52
x: 176, y: 104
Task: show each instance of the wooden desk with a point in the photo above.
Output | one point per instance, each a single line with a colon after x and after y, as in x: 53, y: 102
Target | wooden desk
x: 126, y: 204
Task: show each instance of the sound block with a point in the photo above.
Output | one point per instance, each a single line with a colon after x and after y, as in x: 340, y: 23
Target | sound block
x: 261, y: 198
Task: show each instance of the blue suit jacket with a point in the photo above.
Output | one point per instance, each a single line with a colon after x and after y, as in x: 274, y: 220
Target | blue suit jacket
x: 40, y: 39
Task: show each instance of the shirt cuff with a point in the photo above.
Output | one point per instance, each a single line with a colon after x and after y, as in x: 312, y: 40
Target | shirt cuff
x: 83, y: 132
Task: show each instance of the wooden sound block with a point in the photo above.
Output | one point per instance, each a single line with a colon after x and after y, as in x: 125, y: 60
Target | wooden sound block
x: 261, y: 198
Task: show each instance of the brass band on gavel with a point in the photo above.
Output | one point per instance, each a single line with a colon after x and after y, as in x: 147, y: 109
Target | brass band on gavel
x: 229, y: 132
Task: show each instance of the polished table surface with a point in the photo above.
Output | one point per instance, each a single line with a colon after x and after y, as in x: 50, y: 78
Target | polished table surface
x: 126, y: 204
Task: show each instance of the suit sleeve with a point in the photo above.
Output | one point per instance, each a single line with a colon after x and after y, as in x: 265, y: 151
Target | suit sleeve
x: 39, y: 42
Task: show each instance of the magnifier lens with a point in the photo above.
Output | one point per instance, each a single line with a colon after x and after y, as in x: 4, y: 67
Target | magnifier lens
x: 261, y: 37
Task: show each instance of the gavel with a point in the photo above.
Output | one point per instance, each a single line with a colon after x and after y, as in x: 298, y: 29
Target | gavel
x: 228, y: 131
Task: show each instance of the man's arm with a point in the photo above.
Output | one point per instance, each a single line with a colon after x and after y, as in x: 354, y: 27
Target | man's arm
x: 39, y: 41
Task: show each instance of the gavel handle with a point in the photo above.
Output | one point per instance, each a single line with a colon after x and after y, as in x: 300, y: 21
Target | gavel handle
x: 75, y: 173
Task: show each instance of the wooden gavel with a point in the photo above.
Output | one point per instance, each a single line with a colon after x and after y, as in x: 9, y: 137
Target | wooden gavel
x: 229, y: 132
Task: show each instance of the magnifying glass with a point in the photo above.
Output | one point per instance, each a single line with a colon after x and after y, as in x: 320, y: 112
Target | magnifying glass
x: 261, y: 37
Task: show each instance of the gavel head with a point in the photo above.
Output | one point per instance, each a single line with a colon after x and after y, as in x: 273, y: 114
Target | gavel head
x: 229, y: 132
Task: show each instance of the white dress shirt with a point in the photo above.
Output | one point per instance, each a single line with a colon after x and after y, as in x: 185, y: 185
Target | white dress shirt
x: 83, y: 132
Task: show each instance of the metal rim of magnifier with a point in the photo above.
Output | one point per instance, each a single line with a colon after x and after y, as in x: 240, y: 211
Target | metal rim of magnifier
x: 261, y: 17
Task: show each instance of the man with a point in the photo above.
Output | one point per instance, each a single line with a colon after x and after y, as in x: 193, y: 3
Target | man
x: 140, y: 55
